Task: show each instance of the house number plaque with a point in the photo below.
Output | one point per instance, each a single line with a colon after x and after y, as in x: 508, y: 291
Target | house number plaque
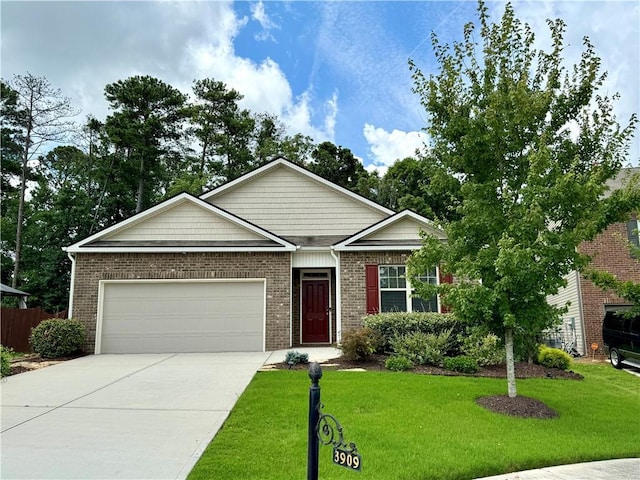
x: 346, y: 458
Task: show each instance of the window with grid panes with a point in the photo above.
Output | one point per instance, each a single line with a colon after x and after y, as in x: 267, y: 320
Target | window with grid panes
x: 396, y: 293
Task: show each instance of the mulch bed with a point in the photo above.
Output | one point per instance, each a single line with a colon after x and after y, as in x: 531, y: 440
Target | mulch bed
x: 35, y: 362
x: 376, y: 364
x: 518, y: 406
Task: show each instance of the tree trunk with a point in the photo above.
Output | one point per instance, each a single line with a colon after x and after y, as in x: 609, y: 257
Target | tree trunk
x: 511, y: 370
x: 203, y: 157
x: 139, y: 201
x: 23, y: 189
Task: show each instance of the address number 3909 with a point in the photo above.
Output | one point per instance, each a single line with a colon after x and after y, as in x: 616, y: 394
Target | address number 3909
x: 346, y: 459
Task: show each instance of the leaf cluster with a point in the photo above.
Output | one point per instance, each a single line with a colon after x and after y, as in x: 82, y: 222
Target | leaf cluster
x: 530, y: 146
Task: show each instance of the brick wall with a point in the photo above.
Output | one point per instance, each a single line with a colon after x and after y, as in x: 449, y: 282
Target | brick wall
x: 352, y: 281
x: 275, y: 267
x: 609, y: 253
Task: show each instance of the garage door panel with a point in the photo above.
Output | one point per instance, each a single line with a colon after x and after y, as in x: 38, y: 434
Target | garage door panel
x: 146, y: 317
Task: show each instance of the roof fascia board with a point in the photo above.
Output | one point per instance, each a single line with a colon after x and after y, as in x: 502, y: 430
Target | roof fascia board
x: 130, y: 249
x: 282, y: 161
x: 369, y: 248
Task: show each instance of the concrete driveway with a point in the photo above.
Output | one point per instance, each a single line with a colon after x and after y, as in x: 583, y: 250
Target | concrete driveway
x: 119, y: 416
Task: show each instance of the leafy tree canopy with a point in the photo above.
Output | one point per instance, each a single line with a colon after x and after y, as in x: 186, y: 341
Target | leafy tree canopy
x: 530, y: 146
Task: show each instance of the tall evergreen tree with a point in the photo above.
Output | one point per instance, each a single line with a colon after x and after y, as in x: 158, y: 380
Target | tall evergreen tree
x: 43, y: 116
x: 145, y: 124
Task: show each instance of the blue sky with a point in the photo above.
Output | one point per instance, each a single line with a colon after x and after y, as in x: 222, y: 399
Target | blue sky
x: 336, y: 71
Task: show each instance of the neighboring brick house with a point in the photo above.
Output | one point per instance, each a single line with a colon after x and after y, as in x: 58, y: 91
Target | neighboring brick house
x: 587, y: 303
x: 277, y: 258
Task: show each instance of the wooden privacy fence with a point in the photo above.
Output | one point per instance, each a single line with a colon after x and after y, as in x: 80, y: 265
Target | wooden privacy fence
x: 16, y: 325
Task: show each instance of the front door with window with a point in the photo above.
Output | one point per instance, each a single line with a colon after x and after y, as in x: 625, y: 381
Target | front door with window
x: 315, y: 311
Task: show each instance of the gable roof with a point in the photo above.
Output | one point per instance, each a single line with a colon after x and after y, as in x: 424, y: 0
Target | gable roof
x: 398, y: 232
x: 207, y: 228
x: 290, y: 201
x: 280, y: 162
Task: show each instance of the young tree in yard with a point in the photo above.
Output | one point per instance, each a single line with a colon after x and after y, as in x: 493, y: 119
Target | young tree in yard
x: 42, y: 117
x: 530, y: 146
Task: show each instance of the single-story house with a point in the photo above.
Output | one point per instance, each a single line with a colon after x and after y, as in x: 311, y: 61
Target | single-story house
x: 587, y: 304
x: 277, y: 258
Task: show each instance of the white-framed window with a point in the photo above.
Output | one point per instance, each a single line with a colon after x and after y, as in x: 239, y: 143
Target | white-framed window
x: 396, y: 293
x: 633, y: 226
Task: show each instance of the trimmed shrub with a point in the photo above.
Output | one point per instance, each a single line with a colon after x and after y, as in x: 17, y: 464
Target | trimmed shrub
x: 398, y: 363
x: 553, y: 358
x: 485, y: 347
x: 293, y: 358
x: 422, y: 348
x: 359, y: 343
x: 462, y: 364
x: 397, y: 324
x: 5, y: 361
x: 57, y: 337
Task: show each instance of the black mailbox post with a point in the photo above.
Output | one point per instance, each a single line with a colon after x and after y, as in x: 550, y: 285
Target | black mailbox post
x: 326, y: 429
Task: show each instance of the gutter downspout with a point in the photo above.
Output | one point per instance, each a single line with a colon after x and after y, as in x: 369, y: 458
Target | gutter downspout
x: 338, y: 297
x: 73, y: 281
x: 584, y: 349
x: 291, y: 287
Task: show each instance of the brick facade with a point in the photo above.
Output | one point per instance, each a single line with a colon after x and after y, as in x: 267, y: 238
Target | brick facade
x: 275, y: 267
x: 352, y: 281
x: 610, y: 253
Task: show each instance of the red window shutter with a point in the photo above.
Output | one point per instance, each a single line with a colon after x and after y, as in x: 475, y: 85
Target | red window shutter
x: 372, y: 282
x: 446, y: 278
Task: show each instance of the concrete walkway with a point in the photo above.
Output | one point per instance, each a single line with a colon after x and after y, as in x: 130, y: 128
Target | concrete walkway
x: 623, y: 469
x: 119, y: 416
x: 316, y: 354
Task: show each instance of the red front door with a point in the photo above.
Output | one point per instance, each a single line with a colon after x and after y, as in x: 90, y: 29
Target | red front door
x: 315, y: 311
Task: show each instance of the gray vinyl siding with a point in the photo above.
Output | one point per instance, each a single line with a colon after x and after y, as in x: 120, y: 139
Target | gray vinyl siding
x: 185, y: 221
x: 570, y: 295
x: 406, y: 229
x: 286, y: 202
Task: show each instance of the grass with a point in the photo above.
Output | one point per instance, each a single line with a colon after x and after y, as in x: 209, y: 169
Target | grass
x: 409, y: 426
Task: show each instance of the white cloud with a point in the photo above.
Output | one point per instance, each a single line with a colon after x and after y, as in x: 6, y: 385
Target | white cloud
x: 298, y: 118
x: 188, y: 41
x: 613, y: 27
x: 332, y: 113
x: 265, y: 89
x: 387, y: 147
x: 258, y: 14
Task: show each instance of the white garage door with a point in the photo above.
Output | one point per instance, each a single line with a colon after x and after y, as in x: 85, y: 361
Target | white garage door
x: 166, y: 317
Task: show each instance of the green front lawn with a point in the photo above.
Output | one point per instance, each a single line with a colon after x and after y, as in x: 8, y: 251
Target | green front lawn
x: 409, y: 426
